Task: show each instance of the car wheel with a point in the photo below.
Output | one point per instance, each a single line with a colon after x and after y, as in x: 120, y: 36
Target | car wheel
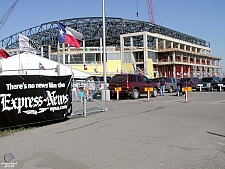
x: 155, y: 92
x: 170, y: 90
x: 135, y: 94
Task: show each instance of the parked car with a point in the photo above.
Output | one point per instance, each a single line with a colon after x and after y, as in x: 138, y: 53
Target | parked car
x: 222, y: 84
x: 132, y: 85
x: 171, y: 83
x: 208, y: 83
x: 191, y: 81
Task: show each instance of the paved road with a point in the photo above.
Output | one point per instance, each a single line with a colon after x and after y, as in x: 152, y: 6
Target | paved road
x: 163, y: 133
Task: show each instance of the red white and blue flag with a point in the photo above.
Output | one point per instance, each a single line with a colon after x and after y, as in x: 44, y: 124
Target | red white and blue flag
x: 3, y: 53
x: 41, y: 67
x: 69, y: 36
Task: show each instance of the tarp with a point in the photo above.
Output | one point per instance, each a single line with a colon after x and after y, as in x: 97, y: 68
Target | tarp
x: 29, y: 99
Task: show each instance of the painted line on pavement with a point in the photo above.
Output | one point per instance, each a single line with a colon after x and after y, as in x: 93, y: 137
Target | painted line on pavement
x: 177, y: 100
x: 221, y: 101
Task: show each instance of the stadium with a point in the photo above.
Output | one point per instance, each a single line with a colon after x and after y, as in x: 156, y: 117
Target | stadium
x: 131, y: 46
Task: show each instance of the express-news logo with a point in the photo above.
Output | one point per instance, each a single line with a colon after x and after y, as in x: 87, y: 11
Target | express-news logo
x: 8, y: 160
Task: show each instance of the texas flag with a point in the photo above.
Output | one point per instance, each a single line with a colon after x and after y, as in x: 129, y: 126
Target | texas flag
x: 69, y: 36
x: 3, y: 53
x: 41, y: 67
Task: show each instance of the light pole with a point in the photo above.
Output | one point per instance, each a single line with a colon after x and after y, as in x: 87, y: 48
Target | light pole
x: 104, y: 49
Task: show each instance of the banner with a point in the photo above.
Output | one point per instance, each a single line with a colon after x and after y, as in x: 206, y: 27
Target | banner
x: 25, y: 44
x: 29, y: 99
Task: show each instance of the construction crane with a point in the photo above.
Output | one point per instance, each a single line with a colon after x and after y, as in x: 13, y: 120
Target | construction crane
x: 150, y: 11
x: 6, y: 15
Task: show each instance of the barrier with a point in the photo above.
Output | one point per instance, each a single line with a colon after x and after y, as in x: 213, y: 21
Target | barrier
x: 148, y: 90
x: 200, y: 87
x: 220, y: 85
x: 117, y: 89
x: 186, y: 90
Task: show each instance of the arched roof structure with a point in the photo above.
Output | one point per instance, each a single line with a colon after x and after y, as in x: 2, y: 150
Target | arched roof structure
x: 92, y: 29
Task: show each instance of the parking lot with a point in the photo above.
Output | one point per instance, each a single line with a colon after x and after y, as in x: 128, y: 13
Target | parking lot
x: 165, y: 132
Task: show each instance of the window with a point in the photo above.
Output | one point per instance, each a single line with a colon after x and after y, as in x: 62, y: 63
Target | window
x: 140, y: 79
x: 145, y: 79
x: 132, y: 78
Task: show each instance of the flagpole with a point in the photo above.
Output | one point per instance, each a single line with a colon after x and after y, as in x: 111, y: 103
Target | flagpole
x: 104, y: 53
x: 58, y: 60
x: 19, y: 54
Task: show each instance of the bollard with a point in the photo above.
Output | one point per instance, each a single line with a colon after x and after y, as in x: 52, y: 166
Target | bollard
x: 186, y: 94
x: 148, y: 90
x: 117, y: 89
x: 220, y: 87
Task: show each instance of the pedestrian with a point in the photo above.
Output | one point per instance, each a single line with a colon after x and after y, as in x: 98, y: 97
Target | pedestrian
x: 91, y: 88
x: 162, y: 83
x: 183, y: 85
x: 178, y: 89
x: 75, y: 91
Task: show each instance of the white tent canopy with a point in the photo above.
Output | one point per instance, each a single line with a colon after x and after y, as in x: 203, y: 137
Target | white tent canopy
x: 30, y: 64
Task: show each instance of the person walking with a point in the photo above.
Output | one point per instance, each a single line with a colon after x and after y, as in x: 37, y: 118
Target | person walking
x: 162, y: 83
x: 91, y: 88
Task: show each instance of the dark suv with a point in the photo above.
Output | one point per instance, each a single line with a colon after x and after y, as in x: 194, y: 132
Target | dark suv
x: 208, y: 83
x: 191, y: 81
x: 132, y: 85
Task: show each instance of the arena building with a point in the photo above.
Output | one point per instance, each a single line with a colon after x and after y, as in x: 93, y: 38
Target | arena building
x: 131, y: 46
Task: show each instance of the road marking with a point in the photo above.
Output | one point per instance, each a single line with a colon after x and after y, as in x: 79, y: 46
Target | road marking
x: 177, y: 100
x: 219, y: 101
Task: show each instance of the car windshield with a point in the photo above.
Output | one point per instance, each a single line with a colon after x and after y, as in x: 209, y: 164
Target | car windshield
x: 207, y: 79
x: 118, y: 79
x: 156, y: 80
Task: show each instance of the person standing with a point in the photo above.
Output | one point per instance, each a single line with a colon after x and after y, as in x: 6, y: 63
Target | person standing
x: 75, y: 91
x: 91, y: 88
x: 162, y: 83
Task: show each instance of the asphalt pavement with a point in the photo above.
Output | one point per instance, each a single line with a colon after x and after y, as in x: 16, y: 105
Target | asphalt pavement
x: 166, y: 132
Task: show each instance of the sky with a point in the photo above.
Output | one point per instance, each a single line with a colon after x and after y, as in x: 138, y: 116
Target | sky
x: 204, y: 19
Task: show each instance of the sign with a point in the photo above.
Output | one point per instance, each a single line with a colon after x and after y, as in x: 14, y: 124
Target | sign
x: 189, y: 89
x: 28, y: 99
x: 148, y: 89
x: 118, y: 88
x: 200, y: 84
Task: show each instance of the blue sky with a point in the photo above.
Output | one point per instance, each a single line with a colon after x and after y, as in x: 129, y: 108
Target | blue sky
x: 204, y: 19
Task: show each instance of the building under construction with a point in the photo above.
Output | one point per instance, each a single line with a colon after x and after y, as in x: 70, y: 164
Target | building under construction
x: 131, y: 46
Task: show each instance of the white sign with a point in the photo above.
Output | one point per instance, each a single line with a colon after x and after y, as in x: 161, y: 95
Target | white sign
x: 200, y: 84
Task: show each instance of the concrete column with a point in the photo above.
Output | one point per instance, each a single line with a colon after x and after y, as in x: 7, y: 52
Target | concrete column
x: 189, y: 72
x: 174, y: 71
x: 171, y: 45
x: 194, y: 59
x: 84, y: 62
x: 182, y: 70
x: 164, y: 44
x: 185, y: 47
x: 189, y: 58
x: 178, y: 45
x: 122, y: 52
x: 200, y: 71
x: 145, y: 38
x: 157, y: 43
x: 191, y: 48
x: 173, y: 55
x: 181, y: 57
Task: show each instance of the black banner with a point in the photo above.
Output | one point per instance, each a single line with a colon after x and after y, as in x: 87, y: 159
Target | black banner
x: 29, y: 99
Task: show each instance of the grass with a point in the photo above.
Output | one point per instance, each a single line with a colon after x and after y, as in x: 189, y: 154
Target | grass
x: 14, y: 130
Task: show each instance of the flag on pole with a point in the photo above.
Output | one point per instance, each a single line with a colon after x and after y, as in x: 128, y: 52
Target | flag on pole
x: 41, y: 67
x: 69, y: 36
x: 3, y: 53
x: 25, y: 44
